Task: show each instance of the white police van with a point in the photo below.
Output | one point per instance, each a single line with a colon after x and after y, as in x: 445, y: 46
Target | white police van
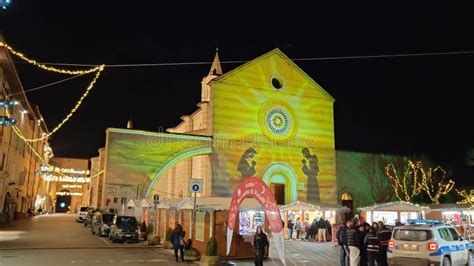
x: 428, y: 242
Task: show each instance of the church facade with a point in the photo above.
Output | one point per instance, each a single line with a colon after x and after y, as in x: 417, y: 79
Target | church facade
x: 266, y: 118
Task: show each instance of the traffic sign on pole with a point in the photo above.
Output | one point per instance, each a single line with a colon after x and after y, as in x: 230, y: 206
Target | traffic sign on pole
x: 195, y: 185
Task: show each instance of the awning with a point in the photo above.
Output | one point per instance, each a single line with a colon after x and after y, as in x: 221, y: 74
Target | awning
x: 185, y: 204
x: 133, y: 203
x: 299, y: 206
x: 446, y: 207
x: 215, y: 204
x: 146, y: 203
x: 400, y: 206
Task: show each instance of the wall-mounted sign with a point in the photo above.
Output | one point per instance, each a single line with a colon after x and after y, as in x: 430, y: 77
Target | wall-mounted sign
x: 64, y: 193
x: 72, y: 186
x: 47, y: 168
x: 68, y: 179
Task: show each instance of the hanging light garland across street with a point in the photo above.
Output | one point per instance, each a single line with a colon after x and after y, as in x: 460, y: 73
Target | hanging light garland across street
x: 97, y: 69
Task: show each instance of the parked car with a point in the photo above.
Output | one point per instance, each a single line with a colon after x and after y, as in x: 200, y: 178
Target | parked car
x: 428, y: 242
x: 101, y: 223
x: 124, y: 228
x: 82, y: 213
x: 90, y: 216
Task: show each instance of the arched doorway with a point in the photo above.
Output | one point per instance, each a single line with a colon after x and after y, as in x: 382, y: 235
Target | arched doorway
x: 63, y: 201
x: 282, y: 180
x: 346, y: 200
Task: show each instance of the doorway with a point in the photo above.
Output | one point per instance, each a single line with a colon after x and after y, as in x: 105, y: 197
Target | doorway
x: 285, y: 180
x: 346, y: 200
x: 279, y: 192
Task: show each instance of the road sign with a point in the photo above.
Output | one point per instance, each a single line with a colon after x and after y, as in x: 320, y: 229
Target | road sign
x: 195, y: 185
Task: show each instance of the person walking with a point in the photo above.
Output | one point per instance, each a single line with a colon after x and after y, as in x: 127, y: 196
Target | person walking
x: 291, y: 226
x: 352, y: 242
x: 312, y: 230
x: 260, y: 242
x: 362, y: 245
x: 321, y: 230
x: 384, y: 235
x: 372, y: 243
x: 328, y: 228
x: 306, y: 227
x: 341, y: 238
x: 177, y: 238
x: 298, y: 228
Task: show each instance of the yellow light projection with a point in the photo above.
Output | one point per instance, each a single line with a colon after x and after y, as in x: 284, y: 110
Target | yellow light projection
x: 273, y: 121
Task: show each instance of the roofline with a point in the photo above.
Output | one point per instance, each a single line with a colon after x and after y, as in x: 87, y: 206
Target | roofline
x: 266, y: 55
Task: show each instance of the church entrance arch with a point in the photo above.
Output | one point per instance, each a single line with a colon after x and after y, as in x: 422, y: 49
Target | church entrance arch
x: 282, y: 180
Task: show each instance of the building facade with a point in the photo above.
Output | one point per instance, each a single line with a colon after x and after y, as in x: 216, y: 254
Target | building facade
x: 70, y: 183
x: 22, y: 189
x: 97, y: 198
x: 266, y: 118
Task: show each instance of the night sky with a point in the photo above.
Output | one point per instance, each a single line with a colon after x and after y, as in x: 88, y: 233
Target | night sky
x: 401, y: 105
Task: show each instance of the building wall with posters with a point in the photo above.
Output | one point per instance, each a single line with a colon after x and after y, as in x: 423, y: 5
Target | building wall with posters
x: 266, y: 118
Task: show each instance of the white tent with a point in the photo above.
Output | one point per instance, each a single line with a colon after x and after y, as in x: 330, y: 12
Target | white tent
x: 394, y: 206
x: 392, y: 211
x: 299, y: 206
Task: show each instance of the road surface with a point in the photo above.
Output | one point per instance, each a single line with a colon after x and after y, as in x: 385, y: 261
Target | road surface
x: 57, y: 240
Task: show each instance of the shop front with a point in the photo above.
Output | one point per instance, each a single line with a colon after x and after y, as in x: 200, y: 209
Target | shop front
x: 211, y: 220
x: 390, y: 212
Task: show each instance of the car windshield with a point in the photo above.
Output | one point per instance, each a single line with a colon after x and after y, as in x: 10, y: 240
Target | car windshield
x: 107, y: 218
x: 412, y: 235
x: 83, y: 209
x: 126, y: 221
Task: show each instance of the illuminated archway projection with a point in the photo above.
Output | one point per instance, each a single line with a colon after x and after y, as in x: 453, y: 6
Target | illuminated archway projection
x: 282, y: 173
x: 140, y: 157
x: 253, y: 187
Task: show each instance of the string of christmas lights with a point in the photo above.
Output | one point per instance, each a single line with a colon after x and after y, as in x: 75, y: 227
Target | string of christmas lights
x: 468, y: 196
x: 50, y: 166
x: 17, y: 130
x: 405, y: 189
x: 435, y: 188
x: 49, y: 68
x: 98, y: 70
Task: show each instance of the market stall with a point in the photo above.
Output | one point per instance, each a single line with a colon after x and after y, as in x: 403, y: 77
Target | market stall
x: 388, y: 213
x: 459, y: 215
x: 211, y: 220
x: 302, y: 210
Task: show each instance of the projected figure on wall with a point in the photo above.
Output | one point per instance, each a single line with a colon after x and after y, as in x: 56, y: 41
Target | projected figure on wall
x: 311, y: 169
x: 247, y: 164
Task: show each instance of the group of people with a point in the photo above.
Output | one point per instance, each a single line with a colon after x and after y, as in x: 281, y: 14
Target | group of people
x: 363, y: 244
x: 316, y: 231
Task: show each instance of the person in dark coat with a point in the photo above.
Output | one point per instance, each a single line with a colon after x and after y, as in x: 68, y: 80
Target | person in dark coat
x: 352, y: 244
x: 177, y: 238
x: 291, y: 226
x: 313, y: 230
x: 341, y: 236
x: 362, y: 246
x: 260, y: 242
x: 372, y: 244
x: 384, y: 235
